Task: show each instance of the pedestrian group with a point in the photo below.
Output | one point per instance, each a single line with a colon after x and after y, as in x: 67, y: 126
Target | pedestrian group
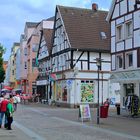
x: 7, y: 108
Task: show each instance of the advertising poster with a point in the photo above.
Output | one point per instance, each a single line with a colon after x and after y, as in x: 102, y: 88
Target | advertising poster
x: 87, y: 94
x: 112, y: 101
x: 85, y: 111
x: 59, y: 90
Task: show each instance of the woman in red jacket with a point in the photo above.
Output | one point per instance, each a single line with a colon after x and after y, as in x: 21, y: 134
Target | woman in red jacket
x: 3, y: 108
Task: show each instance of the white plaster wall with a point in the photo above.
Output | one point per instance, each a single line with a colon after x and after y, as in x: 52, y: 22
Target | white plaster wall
x: 78, y: 94
x: 128, y: 17
x: 72, y: 92
x: 106, y: 56
x: 85, y: 65
x: 123, y: 7
x: 128, y: 43
x: 113, y: 27
x: 113, y: 62
x: 120, y: 46
x: 85, y: 75
x: 137, y: 38
x: 106, y: 66
x: 136, y: 19
x: 48, y: 24
x: 113, y: 45
x: 131, y: 5
x: 93, y: 66
x: 120, y: 20
x: 116, y: 11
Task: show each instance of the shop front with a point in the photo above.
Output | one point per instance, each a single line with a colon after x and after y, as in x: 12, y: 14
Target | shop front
x: 129, y: 84
x: 43, y: 90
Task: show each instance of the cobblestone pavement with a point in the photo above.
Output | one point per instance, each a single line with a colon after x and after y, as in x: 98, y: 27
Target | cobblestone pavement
x: 41, y: 122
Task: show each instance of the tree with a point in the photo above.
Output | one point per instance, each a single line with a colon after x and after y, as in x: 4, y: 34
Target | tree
x: 2, y: 72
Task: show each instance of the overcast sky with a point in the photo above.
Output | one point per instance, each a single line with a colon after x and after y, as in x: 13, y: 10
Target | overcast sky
x: 14, y: 14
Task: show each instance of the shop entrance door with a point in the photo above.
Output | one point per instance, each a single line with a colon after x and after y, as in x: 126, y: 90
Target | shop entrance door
x: 129, y: 90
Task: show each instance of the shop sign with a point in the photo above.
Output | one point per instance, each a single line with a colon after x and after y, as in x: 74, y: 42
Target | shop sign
x: 69, y: 83
x: 42, y: 82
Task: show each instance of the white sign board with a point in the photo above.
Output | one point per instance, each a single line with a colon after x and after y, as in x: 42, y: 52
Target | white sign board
x: 84, y: 112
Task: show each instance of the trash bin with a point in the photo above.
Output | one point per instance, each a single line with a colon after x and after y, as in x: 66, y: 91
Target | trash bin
x: 118, y: 108
x: 103, y: 111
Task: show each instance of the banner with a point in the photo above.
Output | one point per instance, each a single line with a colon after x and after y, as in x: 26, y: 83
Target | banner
x: 52, y: 77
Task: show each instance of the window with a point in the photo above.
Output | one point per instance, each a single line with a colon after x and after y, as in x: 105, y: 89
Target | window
x: 12, y: 72
x: 34, y: 47
x: 119, y: 61
x: 25, y: 65
x: 25, y: 51
x: 33, y: 62
x: 129, y: 59
x: 119, y: 32
x: 128, y: 28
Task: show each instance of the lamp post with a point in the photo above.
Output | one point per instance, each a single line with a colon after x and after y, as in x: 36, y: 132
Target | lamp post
x: 98, y: 63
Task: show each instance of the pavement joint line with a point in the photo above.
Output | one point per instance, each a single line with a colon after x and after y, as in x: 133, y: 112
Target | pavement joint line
x: 99, y: 129
x: 28, y: 131
x: 37, y: 111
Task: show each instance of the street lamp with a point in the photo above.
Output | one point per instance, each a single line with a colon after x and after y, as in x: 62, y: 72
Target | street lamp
x: 98, y: 63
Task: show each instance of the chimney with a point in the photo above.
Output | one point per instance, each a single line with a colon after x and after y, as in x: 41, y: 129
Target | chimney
x: 94, y: 7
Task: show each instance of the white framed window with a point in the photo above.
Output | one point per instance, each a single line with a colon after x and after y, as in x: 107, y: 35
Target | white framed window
x: 129, y: 59
x: 128, y: 29
x: 119, y: 32
x: 120, y: 61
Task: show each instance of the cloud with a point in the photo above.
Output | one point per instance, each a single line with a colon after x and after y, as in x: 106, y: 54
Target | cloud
x: 15, y: 13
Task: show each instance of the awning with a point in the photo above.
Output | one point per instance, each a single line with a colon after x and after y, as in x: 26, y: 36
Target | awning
x: 125, y: 76
x: 7, y: 87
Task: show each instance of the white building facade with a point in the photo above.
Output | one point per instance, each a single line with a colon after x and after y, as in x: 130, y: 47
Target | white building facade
x: 124, y: 17
x: 75, y: 77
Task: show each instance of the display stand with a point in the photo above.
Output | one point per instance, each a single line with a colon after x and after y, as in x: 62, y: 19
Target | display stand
x: 84, y: 112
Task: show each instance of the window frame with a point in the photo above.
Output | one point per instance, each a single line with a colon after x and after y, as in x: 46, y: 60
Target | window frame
x: 119, y: 32
x: 127, y: 60
x: 128, y: 29
x: 118, y: 61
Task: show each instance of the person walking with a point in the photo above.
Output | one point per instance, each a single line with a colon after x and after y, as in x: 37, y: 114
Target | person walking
x: 9, y: 114
x: 16, y: 101
x: 3, y: 108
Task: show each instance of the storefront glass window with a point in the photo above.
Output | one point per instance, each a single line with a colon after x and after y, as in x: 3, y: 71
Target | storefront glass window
x: 61, y: 91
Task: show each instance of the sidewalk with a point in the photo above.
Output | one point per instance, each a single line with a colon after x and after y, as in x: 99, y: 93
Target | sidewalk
x: 122, y: 123
x: 118, y: 124
x: 15, y: 134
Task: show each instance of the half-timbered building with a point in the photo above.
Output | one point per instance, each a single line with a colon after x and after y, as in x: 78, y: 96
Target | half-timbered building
x: 44, y: 59
x: 124, y: 17
x: 80, y: 36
